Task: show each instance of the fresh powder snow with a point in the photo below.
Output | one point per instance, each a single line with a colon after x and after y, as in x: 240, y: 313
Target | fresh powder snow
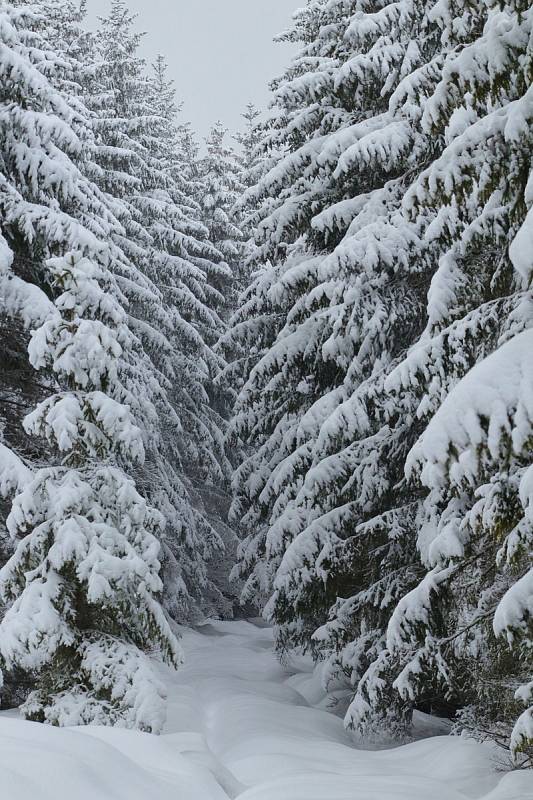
x: 242, y: 725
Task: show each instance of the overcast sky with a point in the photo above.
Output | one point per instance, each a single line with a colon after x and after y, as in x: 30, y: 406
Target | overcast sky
x: 220, y: 52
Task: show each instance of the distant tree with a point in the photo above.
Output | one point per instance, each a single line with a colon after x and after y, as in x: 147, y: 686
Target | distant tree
x: 221, y: 176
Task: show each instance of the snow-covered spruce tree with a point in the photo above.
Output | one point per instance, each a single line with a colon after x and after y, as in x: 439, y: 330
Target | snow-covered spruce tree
x: 252, y: 167
x: 46, y: 204
x: 473, y: 607
x: 454, y: 630
x: 82, y: 583
x: 267, y: 411
x: 220, y: 173
x: 339, y: 306
x: 186, y: 257
x: 338, y: 518
x: 182, y: 256
x: 354, y: 522
x: 347, y: 540
x: 48, y: 207
x: 43, y: 195
x: 53, y: 45
x: 172, y: 306
x: 238, y: 343
x: 250, y: 141
x: 118, y: 92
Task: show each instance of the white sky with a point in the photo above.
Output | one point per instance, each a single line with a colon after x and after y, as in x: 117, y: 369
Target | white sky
x: 220, y: 52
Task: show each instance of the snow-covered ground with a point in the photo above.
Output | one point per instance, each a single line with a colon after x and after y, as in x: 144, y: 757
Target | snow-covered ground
x: 241, y: 725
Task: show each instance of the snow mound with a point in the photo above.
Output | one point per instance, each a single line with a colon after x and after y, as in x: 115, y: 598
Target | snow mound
x: 242, y: 725
x: 42, y: 762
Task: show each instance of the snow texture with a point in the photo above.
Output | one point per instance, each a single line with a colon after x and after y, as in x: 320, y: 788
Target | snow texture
x: 240, y: 725
x: 498, y: 390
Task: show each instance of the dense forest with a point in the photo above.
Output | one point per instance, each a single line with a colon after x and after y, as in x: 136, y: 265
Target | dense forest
x: 286, y: 371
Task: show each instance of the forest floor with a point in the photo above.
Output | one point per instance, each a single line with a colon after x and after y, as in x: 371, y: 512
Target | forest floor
x: 241, y: 725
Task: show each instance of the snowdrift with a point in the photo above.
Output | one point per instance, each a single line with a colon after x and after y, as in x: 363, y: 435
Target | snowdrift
x: 240, y: 725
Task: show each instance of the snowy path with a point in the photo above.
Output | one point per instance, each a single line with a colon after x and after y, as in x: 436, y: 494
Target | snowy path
x: 241, y: 726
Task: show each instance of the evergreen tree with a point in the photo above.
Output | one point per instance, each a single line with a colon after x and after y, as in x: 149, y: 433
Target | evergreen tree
x: 188, y: 258
x: 239, y: 342
x: 172, y: 306
x: 183, y: 254
x: 250, y: 141
x: 252, y: 168
x: 276, y: 395
x: 57, y: 625
x: 81, y: 585
x: 332, y: 523
x: 220, y: 173
x: 340, y: 316
x: 40, y: 216
x: 451, y: 631
x: 118, y: 92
